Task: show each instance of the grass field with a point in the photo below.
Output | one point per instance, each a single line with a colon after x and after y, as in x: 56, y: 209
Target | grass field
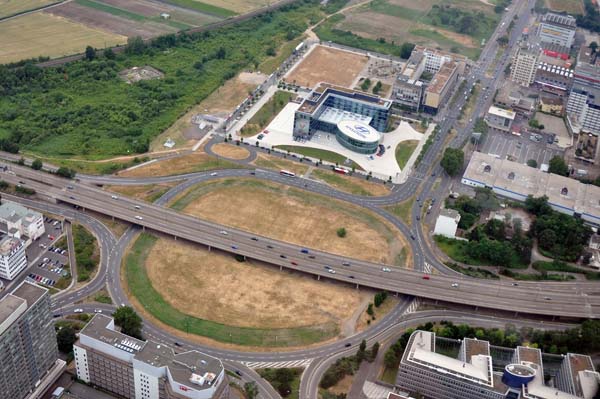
x: 269, y: 65
x: 266, y: 113
x: 245, y: 294
x: 323, y: 65
x: 317, y: 153
x: 236, y: 203
x: 457, y: 250
x: 230, y: 151
x: 42, y: 34
x: 402, y: 210
x: 237, y: 6
x: 203, y: 7
x: 148, y: 193
x: 568, y: 6
x: 404, y: 150
x: 352, y: 185
x: 12, y: 7
x: 195, y: 162
x: 275, y: 163
x: 140, y: 287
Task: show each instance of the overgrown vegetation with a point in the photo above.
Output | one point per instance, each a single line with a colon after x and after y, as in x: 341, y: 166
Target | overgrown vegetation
x: 476, y: 24
x: 85, y: 109
x: 265, y: 115
x: 591, y: 19
x: 285, y: 380
x: 86, y: 252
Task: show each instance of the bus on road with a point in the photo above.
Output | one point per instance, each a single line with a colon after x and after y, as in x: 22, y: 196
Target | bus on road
x: 287, y: 173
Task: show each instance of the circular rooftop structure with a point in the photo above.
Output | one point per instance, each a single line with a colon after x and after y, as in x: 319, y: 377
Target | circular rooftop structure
x: 517, y: 375
x: 358, y: 136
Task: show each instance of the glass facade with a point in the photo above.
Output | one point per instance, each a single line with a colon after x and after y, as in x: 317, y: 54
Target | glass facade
x: 356, y: 145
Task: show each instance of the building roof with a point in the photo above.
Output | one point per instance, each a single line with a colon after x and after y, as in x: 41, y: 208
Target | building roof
x: 12, y: 211
x: 537, y: 389
x: 335, y: 115
x: 582, y: 381
x: 100, y: 328
x: 529, y: 355
x: 450, y: 213
x: 323, y: 90
x: 17, y: 302
x: 8, y: 245
x: 439, y: 81
x: 551, y: 100
x: 504, y: 113
x: 359, y: 131
x: 565, y: 21
x: 475, y: 347
x: 30, y: 292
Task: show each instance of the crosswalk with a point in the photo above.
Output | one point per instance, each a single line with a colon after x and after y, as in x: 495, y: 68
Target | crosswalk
x: 414, y: 305
x: 375, y: 391
x: 304, y: 363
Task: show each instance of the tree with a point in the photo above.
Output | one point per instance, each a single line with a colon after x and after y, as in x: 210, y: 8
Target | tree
x: 37, y: 164
x: 251, y: 390
x: 341, y: 232
x: 593, y: 46
x: 129, y: 321
x: 538, y: 206
x: 362, y: 351
x: 374, y: 351
x: 558, y: 166
x: 65, y: 338
x: 90, y: 53
x: 502, y: 40
x: 65, y: 172
x: 452, y: 161
x: 406, y: 49
x: 109, y: 54
x: 532, y: 163
x: 370, y: 310
x: 135, y: 45
x: 390, y: 359
x: 380, y: 297
x: 283, y: 381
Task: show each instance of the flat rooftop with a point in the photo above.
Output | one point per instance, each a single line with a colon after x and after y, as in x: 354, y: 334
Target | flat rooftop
x: 336, y: 115
x: 579, y: 365
x: 99, y: 328
x: 323, y: 90
x: 30, y: 292
x: 9, y: 244
x: 475, y: 347
x: 530, y: 355
x: 565, y: 21
x: 8, y: 306
x: 504, y: 113
x: 440, y: 80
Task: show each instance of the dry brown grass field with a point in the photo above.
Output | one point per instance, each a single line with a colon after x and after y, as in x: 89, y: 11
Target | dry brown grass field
x: 147, y: 193
x: 569, y: 6
x: 43, y: 34
x: 323, y: 65
x: 245, y: 294
x: 12, y: 7
x: 238, y: 6
x: 230, y: 151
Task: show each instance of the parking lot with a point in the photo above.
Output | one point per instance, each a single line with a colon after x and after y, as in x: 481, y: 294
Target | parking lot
x: 520, y: 148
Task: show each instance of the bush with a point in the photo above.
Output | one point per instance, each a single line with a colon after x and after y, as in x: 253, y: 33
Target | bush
x: 341, y: 368
x: 85, y: 252
x: 341, y: 232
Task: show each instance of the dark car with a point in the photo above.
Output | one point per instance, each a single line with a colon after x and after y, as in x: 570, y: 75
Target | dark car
x: 254, y: 239
x: 347, y: 345
x: 238, y: 372
x: 270, y: 246
x: 283, y: 256
x: 311, y: 256
x: 177, y: 344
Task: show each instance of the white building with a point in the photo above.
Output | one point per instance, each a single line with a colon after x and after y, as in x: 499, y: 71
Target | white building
x: 557, y: 29
x: 138, y: 369
x: 20, y: 221
x: 500, y: 118
x: 471, y: 375
x: 447, y: 223
x: 12, y: 257
x: 524, y: 65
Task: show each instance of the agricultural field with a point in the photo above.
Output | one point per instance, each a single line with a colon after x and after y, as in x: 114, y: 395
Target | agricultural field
x: 457, y: 26
x: 238, y: 6
x: 323, y: 65
x: 13, y: 7
x: 568, y: 6
x: 42, y: 34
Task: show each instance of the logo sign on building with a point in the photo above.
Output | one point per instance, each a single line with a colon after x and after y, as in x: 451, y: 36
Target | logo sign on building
x: 183, y: 388
x: 360, y: 130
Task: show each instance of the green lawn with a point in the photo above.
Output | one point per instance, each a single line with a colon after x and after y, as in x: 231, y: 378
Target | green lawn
x: 402, y: 210
x: 472, y: 53
x: 119, y: 12
x: 457, y: 250
x: 269, y: 65
x: 404, y: 150
x: 389, y: 375
x: 141, y: 288
x: 341, y: 183
x: 266, y: 113
x: 317, y: 153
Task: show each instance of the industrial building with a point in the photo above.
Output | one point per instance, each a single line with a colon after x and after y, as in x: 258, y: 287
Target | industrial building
x: 21, y: 222
x: 517, y: 181
x: 12, y: 257
x: 499, y: 118
x: 133, y: 368
x: 354, y: 117
x: 472, y: 373
x: 556, y: 79
x: 29, y: 362
x: 524, y: 65
x: 557, y: 29
x: 447, y: 223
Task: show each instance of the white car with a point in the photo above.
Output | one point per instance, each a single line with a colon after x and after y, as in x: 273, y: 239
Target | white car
x: 331, y: 271
x: 114, y: 197
x: 213, y: 174
x: 97, y: 310
x: 139, y: 217
x: 454, y: 285
x: 78, y: 311
x: 224, y: 232
x: 386, y: 269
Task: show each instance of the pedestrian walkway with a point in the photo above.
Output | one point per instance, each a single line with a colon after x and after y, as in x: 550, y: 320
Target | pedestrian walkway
x: 375, y: 391
x: 304, y: 363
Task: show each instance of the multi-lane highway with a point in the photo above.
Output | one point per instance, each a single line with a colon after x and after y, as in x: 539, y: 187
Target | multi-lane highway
x: 566, y: 299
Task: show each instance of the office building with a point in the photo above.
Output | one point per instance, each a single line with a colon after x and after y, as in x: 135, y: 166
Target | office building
x: 136, y: 369
x: 440, y: 88
x: 471, y: 374
x: 517, y: 181
x: 524, y: 65
x: 12, y: 257
x: 500, y: 119
x: 583, y: 107
x: 553, y: 78
x: 557, y: 29
x: 29, y: 362
x: 21, y: 222
x: 335, y: 110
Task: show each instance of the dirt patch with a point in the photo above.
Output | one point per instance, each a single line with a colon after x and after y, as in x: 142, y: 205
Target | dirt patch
x: 343, y: 386
x: 110, y: 23
x: 230, y: 151
x: 244, y: 294
x: 238, y: 202
x: 42, y: 34
x: 142, y: 7
x: 323, y: 65
x: 224, y: 100
x: 365, y: 321
x: 148, y: 193
x: 254, y: 78
x: 195, y: 162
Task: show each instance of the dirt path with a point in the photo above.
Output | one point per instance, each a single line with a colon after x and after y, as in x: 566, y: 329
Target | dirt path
x: 312, y: 35
x: 349, y: 325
